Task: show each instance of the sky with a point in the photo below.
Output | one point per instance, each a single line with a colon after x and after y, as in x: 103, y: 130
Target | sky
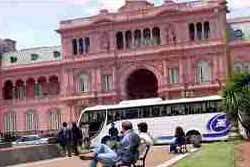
x: 32, y: 23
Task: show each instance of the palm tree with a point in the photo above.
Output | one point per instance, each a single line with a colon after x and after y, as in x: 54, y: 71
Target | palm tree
x: 236, y: 100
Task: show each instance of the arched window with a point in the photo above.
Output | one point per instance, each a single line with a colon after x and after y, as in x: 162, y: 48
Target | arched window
x: 20, y: 90
x: 119, y: 40
x: 81, y: 46
x: 74, y: 46
x: 199, y: 31
x: 55, y: 119
x: 246, y: 67
x: 128, y: 37
x: 238, y: 67
x: 204, y: 72
x: 191, y: 32
x: 146, y: 36
x: 137, y: 36
x: 8, y: 90
x: 30, y: 88
x: 41, y: 88
x: 10, y: 122
x: 31, y: 121
x: 87, y: 44
x: 206, y: 30
x: 84, y: 83
x: 54, y: 85
x: 156, y: 36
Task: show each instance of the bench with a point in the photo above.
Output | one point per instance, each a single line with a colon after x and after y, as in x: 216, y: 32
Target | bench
x: 143, y: 152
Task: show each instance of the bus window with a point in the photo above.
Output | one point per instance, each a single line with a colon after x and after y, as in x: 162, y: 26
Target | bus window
x: 91, y: 118
x: 203, y: 107
x: 174, y: 110
x: 169, y: 110
x: 131, y: 113
x: 110, y: 117
x: 162, y: 111
x: 181, y: 109
x: 186, y: 108
x: 212, y: 106
x: 155, y: 111
x: 117, y: 115
x: 145, y: 112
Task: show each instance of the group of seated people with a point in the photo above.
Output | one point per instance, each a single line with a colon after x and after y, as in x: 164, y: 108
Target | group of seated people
x: 128, y: 150
x: 129, y: 145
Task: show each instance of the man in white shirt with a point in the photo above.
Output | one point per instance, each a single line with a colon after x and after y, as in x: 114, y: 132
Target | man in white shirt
x: 144, y: 135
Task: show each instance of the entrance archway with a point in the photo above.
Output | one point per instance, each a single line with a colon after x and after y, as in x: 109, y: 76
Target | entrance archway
x: 141, y: 84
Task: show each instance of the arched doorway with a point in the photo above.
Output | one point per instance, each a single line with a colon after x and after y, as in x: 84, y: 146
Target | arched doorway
x: 141, y: 84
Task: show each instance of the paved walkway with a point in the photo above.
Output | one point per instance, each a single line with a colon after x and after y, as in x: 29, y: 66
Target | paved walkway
x: 243, y: 154
x: 157, y: 156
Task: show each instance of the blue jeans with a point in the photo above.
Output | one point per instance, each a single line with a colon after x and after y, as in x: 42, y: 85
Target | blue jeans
x: 104, y: 155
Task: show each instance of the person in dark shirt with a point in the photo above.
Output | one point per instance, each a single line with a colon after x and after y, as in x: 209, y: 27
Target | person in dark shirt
x: 76, y: 137
x: 65, y: 138
x: 113, y: 132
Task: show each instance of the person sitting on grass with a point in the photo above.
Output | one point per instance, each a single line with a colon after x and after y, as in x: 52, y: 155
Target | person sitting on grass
x: 179, y: 139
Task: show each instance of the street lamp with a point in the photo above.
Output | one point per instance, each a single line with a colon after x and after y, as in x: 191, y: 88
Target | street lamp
x: 185, y: 89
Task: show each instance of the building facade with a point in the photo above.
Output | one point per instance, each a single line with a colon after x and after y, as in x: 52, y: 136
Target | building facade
x: 171, y: 51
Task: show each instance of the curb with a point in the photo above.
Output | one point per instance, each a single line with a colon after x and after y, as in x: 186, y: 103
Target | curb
x: 39, y: 162
x: 174, y: 160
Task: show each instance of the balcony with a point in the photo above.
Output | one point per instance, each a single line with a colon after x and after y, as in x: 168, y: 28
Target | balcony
x: 177, y: 46
x: 31, y: 101
x: 88, y: 95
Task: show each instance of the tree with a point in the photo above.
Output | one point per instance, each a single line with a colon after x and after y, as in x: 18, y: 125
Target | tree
x: 236, y: 100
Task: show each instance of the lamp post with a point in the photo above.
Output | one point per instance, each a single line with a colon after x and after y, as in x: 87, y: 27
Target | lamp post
x: 185, y: 89
x: 219, y: 82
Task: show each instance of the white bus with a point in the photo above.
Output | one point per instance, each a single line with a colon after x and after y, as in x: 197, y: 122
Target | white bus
x: 200, y: 116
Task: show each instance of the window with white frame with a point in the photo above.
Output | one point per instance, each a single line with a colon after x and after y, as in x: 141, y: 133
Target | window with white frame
x: 10, y: 122
x: 84, y: 83
x: 173, y: 73
x: 20, y: 92
x: 55, y: 119
x: 204, y: 72
x: 31, y: 121
x: 38, y: 90
x: 107, y: 82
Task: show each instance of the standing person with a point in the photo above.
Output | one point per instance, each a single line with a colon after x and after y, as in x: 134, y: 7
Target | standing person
x: 76, y: 137
x: 144, y: 135
x: 113, y: 132
x: 127, y: 152
x: 65, y: 139
x: 85, y: 135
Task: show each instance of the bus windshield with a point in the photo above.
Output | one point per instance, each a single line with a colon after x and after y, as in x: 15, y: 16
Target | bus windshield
x: 95, y: 120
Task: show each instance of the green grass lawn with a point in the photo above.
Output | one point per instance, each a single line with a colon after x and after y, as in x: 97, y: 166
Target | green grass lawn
x: 219, y: 154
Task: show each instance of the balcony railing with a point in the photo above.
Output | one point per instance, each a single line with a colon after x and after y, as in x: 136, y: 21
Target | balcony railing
x: 25, y: 100
x: 145, y: 49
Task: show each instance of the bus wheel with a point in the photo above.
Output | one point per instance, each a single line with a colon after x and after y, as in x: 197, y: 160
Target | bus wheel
x: 194, y: 138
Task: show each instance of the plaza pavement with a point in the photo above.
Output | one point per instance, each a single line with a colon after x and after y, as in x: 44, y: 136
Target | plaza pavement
x: 157, y: 155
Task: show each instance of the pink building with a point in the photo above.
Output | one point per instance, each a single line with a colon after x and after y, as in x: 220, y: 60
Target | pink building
x: 171, y: 51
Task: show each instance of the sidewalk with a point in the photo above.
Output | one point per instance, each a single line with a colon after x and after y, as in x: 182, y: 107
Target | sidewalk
x: 157, y: 156
x: 242, y: 154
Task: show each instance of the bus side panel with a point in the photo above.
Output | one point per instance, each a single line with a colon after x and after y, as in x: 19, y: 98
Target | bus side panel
x: 163, y: 128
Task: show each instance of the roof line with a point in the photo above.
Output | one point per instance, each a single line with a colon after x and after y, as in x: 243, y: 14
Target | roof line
x: 39, y: 47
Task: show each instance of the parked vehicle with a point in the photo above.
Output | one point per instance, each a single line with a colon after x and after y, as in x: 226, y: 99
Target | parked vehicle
x: 30, y: 140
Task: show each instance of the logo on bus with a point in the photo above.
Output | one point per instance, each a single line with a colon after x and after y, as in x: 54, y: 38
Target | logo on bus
x: 218, y: 123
